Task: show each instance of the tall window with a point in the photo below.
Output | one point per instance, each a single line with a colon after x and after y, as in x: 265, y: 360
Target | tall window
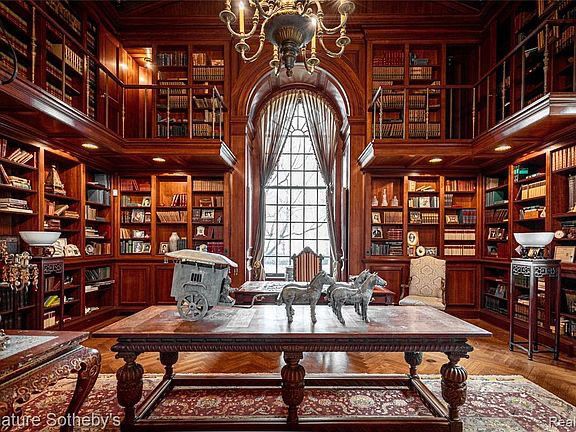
x: 295, y: 203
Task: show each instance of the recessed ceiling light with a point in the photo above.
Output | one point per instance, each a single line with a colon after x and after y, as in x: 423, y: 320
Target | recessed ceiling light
x: 435, y: 160
x: 503, y: 148
x: 90, y: 146
x: 159, y: 159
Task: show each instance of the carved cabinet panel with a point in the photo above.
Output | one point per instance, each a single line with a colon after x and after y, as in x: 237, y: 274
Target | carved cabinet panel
x: 163, y: 284
x: 461, y: 282
x: 135, y: 283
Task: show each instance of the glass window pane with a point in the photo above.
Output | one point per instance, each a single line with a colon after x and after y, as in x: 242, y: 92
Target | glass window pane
x: 284, y: 213
x: 311, y: 179
x: 283, y: 163
x: 297, y: 246
x: 310, y: 213
x: 271, y: 196
x: 283, y: 230
x: 283, y: 247
x: 311, y: 196
x: 270, y: 248
x: 283, y: 178
x: 297, y: 213
x: 270, y: 264
x: 283, y: 262
x: 297, y: 178
x: 310, y: 231
x: 298, y: 162
x: 270, y: 230
x: 324, y: 248
x: 311, y: 164
x: 323, y: 231
x: 297, y: 196
x: 283, y: 198
x: 270, y: 212
x: 297, y: 231
x: 322, y: 214
x: 273, y: 179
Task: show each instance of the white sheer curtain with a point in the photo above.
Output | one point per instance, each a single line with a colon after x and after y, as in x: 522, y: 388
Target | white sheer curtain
x: 323, y: 130
x: 274, y: 127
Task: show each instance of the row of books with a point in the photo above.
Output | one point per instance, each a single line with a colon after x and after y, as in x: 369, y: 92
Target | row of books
x: 420, y: 72
x: 391, y: 130
x: 172, y: 58
x: 129, y: 201
x: 424, y: 218
x: 460, y: 234
x: 55, y: 91
x: 91, y: 213
x: 391, y: 217
x: 98, y: 248
x: 204, y: 102
x: 98, y: 196
x: 127, y: 233
x: 424, y: 202
x: 179, y: 200
x: 417, y: 115
x: 13, y: 17
x: 396, y: 100
x: 211, y: 201
x: 15, y: 205
x: 173, y: 83
x: 53, y: 209
x: 566, y: 37
x: 496, y: 215
x: 389, y: 58
x: 133, y: 185
x: 414, y: 186
x: 386, y: 249
x: 532, y: 190
x: 460, y: 185
x: 496, y: 197
x: 172, y: 216
x: 137, y: 216
x: 176, y: 102
x: 51, y: 301
x: 98, y: 273
x: 202, y: 130
x: 394, y: 234
x: 92, y: 233
x: 12, y: 180
x: 174, y: 130
x: 572, y: 192
x: 134, y: 247
x: 175, y: 117
x: 18, y: 155
x: 208, y: 74
x: 494, y: 182
x: 388, y: 73
x: 424, y: 130
x: 564, y: 158
x: 100, y: 179
x: 532, y: 212
x: 459, y: 250
x: 65, y: 14
x: 208, y: 185
x: 464, y: 216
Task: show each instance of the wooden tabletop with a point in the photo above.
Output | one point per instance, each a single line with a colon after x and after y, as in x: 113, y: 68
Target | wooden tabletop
x: 276, y: 287
x: 264, y: 322
x: 42, y: 346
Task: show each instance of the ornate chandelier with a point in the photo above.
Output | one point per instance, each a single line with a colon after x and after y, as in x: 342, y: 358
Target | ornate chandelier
x: 290, y: 25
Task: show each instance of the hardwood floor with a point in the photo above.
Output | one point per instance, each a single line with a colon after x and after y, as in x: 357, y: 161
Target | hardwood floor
x: 490, y: 357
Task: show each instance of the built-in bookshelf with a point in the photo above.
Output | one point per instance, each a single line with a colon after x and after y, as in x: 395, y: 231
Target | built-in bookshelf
x: 424, y: 214
x: 529, y: 195
x: 62, y: 203
x: 496, y: 218
x: 563, y: 206
x: 17, y: 19
x: 98, y: 214
x: 73, y: 298
x: 208, y: 214
x: 98, y: 289
x: 407, y: 99
x: 173, y: 192
x: 387, y: 217
x: 51, y: 288
x: 135, y: 215
x: 460, y: 216
x: 568, y: 307
x: 495, y: 281
x: 190, y: 80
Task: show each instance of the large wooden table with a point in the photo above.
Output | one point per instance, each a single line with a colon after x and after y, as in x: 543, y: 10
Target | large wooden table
x: 408, y: 329
x: 35, y: 360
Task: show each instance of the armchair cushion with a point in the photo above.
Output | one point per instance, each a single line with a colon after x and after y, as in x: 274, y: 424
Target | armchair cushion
x: 427, y: 275
x: 415, y: 300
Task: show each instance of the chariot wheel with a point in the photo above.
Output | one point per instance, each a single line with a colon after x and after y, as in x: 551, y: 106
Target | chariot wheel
x: 193, y: 306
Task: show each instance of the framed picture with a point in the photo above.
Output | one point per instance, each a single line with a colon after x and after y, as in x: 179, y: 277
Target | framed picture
x: 146, y: 202
x: 425, y: 201
x: 492, y: 250
x: 376, y: 217
x: 492, y: 234
x: 452, y: 219
x: 431, y: 251
x: 415, y: 217
x: 163, y: 248
x: 565, y: 253
x: 138, y: 247
x: 147, y: 248
x: 412, y: 238
x: 200, y: 231
x: 377, y: 233
x: 137, y: 216
x: 411, y: 251
x: 207, y: 214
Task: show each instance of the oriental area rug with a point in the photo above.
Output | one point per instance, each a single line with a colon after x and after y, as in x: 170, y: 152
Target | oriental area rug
x: 495, y: 403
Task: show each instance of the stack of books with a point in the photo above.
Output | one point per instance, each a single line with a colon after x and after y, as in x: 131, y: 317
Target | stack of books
x: 132, y: 185
x: 19, y: 182
x: 172, y: 216
x: 497, y: 215
x: 18, y: 155
x: 14, y: 205
x: 460, y: 185
x: 208, y: 185
x: 52, y: 224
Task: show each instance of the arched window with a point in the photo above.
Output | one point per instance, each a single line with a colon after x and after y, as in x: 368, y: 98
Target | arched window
x: 295, y: 203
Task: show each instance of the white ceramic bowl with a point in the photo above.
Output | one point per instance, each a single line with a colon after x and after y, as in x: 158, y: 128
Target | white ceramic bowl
x: 39, y: 238
x: 534, y: 240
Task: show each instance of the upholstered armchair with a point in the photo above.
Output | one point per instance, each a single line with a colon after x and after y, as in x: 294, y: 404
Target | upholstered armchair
x: 427, y: 284
x: 306, y: 264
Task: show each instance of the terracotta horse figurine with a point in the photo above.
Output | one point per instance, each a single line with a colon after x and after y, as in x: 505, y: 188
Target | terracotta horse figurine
x: 360, y: 297
x: 309, y: 293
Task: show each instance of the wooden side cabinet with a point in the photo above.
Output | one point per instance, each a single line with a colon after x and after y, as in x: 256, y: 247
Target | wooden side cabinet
x: 134, y: 285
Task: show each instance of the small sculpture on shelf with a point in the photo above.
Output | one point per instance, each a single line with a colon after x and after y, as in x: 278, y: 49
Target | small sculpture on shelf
x: 395, y: 202
x: 360, y: 297
x: 310, y: 293
x: 53, y: 182
x: 374, y: 201
x: 384, y: 199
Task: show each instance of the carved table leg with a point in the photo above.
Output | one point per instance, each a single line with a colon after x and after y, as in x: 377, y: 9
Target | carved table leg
x: 414, y: 359
x: 129, y: 388
x: 454, y: 385
x: 168, y: 359
x: 293, y: 384
x: 89, y: 369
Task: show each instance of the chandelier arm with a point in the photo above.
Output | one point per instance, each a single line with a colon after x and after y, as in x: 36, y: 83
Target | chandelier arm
x: 257, y: 53
x: 331, y: 53
x: 333, y: 30
x: 261, y: 9
x: 255, y: 20
x: 308, y: 69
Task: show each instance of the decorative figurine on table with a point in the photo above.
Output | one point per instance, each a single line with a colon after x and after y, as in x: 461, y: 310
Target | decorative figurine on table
x: 361, y: 297
x: 309, y: 293
x: 384, y: 199
x: 355, y: 282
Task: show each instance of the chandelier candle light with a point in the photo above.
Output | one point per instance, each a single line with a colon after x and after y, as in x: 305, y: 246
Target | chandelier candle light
x: 290, y: 26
